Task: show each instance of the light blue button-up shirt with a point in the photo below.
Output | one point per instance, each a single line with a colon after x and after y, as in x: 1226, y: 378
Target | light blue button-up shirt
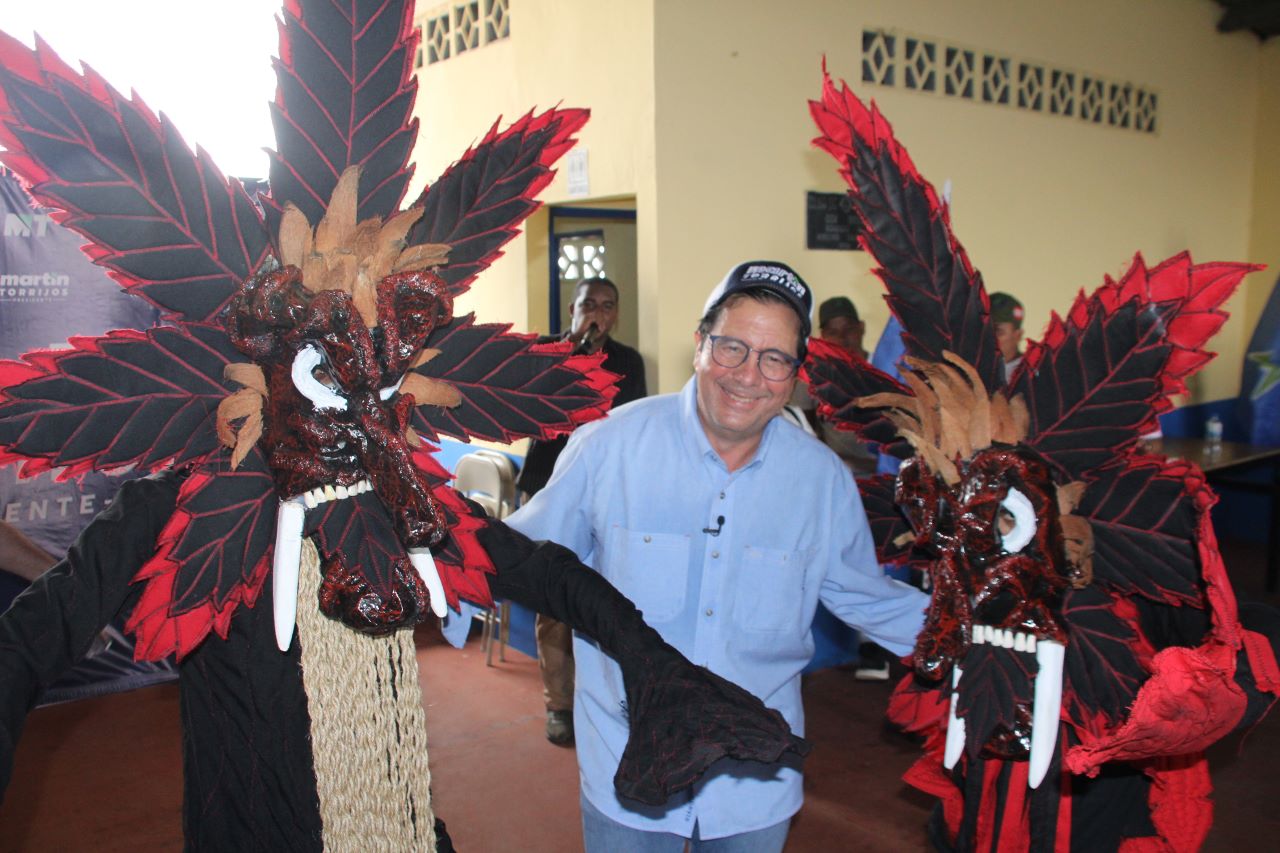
x: 631, y: 496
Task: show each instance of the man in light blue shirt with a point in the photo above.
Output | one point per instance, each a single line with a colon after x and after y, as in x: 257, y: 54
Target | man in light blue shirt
x: 726, y: 526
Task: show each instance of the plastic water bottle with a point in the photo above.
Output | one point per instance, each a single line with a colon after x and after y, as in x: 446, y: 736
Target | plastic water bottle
x: 1213, y: 434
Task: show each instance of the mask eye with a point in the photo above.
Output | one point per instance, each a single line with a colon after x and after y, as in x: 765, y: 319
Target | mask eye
x: 311, y: 376
x: 1016, y: 520
x: 388, y: 392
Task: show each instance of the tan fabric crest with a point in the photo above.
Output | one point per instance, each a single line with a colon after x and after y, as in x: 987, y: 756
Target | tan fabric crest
x: 352, y: 256
x: 950, y: 416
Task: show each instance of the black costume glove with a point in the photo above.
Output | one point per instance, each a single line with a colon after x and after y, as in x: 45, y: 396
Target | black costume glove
x: 683, y: 717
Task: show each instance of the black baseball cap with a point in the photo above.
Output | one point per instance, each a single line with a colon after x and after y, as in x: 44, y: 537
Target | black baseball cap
x: 768, y: 275
x: 836, y: 306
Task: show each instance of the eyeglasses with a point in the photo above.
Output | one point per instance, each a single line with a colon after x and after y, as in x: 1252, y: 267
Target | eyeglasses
x: 774, y: 364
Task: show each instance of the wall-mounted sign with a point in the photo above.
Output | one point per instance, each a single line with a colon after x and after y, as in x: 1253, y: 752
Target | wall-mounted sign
x: 579, y: 176
x: 829, y: 222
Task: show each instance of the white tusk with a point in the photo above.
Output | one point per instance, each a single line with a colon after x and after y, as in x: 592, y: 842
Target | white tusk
x: 426, y: 566
x: 1047, y: 709
x: 1024, y: 521
x: 284, y: 571
x: 955, y: 725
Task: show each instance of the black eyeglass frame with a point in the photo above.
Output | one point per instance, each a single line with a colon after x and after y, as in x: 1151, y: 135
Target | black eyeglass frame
x: 760, y: 354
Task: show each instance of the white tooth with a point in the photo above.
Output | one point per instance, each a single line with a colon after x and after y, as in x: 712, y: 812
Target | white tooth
x: 329, y: 492
x: 977, y: 635
x: 318, y: 494
x: 426, y: 566
x: 309, y: 499
x: 990, y: 634
x: 1031, y: 643
x: 366, y: 486
x: 1047, y: 709
x: 284, y: 570
x: 1019, y: 641
x: 343, y: 494
x: 955, y: 725
x: 1006, y: 639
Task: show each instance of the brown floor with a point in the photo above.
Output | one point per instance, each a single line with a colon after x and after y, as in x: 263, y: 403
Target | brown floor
x: 104, y: 774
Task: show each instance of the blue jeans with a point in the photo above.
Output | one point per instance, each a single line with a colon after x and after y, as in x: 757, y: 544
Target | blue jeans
x: 602, y: 834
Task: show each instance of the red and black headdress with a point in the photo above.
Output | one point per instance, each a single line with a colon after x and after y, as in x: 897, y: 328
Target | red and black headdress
x: 309, y: 357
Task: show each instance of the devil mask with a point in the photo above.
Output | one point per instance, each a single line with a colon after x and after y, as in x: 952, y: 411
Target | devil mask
x: 333, y: 413
x: 986, y: 509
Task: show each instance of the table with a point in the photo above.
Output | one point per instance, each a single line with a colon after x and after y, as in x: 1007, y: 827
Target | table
x: 1220, y: 464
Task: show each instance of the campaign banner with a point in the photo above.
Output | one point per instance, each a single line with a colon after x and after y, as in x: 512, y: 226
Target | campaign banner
x: 50, y: 291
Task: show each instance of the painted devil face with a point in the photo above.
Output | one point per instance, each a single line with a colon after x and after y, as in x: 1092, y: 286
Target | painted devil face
x: 998, y: 575
x: 337, y: 427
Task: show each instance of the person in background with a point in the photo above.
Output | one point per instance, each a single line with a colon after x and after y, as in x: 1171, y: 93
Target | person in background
x: 727, y: 526
x: 1006, y: 316
x: 838, y: 324
x: 592, y: 316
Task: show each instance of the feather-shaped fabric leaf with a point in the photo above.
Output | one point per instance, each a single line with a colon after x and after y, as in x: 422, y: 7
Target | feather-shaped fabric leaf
x: 477, y: 205
x: 995, y: 682
x: 1102, y: 669
x: 933, y: 289
x: 232, y: 529
x: 888, y: 524
x: 127, y: 398
x: 1144, y: 521
x: 360, y: 529
x: 836, y: 380
x: 163, y: 221
x: 344, y: 97
x: 511, y: 387
x: 1103, y: 374
x: 212, y: 557
x: 461, y: 560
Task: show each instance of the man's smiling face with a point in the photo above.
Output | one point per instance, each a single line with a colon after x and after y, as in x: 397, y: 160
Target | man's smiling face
x: 735, y: 403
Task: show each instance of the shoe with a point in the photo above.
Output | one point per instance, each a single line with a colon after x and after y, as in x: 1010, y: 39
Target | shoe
x: 872, y: 672
x: 873, y: 663
x: 560, y: 727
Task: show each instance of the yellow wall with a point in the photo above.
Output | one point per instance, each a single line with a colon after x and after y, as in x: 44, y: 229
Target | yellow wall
x: 596, y: 54
x: 699, y: 111
x: 1264, y: 232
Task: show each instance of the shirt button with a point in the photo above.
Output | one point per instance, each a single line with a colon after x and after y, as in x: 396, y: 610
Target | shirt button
x: 715, y: 555
x: 710, y: 611
x: 648, y: 538
x: 722, y: 496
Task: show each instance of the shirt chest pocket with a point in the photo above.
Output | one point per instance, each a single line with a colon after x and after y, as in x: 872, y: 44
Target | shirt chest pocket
x: 652, y: 570
x: 769, y: 589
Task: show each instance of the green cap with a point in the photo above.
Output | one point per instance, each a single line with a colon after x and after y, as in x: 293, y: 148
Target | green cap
x: 1006, y: 309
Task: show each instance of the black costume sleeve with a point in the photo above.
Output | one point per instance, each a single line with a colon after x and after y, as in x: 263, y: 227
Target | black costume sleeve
x: 51, y: 625
x: 683, y: 717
